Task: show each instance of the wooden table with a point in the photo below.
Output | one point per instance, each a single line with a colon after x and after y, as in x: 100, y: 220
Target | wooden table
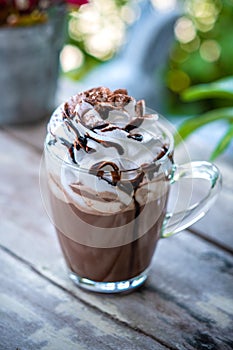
x: 185, y: 304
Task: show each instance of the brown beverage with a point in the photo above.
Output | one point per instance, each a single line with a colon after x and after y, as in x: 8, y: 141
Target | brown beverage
x: 109, y: 164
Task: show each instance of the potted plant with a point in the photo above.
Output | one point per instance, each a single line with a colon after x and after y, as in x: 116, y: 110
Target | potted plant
x: 31, y: 37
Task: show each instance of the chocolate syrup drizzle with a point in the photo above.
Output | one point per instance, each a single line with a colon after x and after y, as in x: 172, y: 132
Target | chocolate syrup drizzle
x: 104, y: 101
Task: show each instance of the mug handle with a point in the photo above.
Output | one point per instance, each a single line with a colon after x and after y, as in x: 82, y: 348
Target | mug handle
x: 178, y: 221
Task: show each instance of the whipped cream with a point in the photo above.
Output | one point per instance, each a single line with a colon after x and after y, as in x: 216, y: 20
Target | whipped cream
x: 103, y: 130
x: 119, y: 151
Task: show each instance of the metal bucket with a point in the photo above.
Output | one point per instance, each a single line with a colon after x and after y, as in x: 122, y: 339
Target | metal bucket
x: 29, y: 68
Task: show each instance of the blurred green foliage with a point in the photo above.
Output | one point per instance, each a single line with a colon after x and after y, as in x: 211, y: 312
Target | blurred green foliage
x: 200, y: 69
x: 203, y: 50
x: 222, y: 88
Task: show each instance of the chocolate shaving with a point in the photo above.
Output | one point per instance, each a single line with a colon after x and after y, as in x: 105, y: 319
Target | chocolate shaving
x: 68, y: 112
x: 119, y: 99
x: 96, y: 95
x: 121, y: 91
x: 140, y: 108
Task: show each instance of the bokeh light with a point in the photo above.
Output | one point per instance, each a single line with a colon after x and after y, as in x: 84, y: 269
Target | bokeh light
x: 71, y: 57
x: 98, y: 28
x: 185, y: 30
x: 129, y: 14
x: 210, y: 50
x: 177, y: 80
x: 164, y: 5
x: 204, y: 12
x: 101, y: 25
x: 191, y: 46
x: 203, y: 51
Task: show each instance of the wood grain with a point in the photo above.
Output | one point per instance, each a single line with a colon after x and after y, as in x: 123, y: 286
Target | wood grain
x: 36, y: 314
x: 212, y: 227
x: 187, y: 301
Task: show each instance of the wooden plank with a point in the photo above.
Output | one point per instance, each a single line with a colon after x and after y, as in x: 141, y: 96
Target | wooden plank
x: 30, y: 134
x: 198, y: 148
x: 179, y: 305
x: 187, y: 302
x: 36, y: 314
x: 217, y: 224
x: 209, y: 226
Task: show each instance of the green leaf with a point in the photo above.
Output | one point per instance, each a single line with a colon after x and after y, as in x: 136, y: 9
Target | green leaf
x: 222, y: 88
x: 223, y: 143
x: 192, y: 124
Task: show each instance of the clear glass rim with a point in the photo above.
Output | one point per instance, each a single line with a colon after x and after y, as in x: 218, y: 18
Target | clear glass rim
x: 155, y: 163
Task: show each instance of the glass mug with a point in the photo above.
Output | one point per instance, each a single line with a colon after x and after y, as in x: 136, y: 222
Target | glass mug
x: 109, y: 248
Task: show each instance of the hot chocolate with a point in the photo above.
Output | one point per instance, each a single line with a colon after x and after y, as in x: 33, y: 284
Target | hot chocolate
x: 109, y: 164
